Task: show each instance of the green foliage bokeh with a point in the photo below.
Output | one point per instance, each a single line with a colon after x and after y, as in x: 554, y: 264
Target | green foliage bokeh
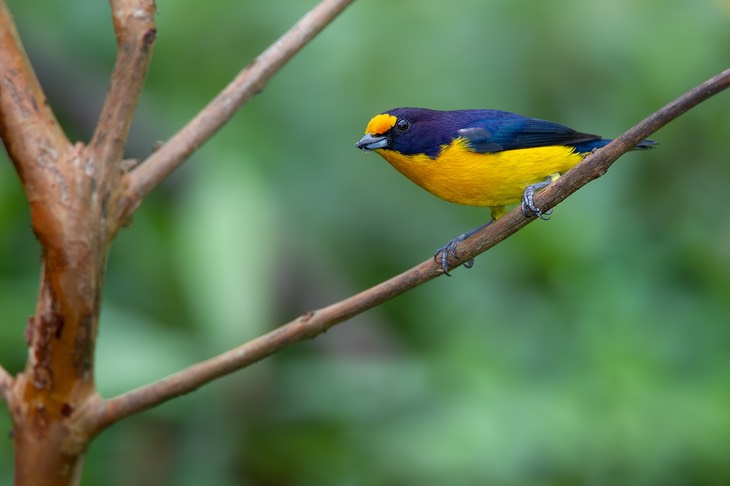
x: 590, y: 349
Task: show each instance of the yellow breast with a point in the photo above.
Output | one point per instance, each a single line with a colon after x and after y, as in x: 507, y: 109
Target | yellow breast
x: 464, y: 177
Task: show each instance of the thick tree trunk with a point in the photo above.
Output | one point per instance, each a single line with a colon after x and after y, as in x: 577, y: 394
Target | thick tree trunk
x: 47, y: 398
x: 74, y: 193
x: 38, y: 458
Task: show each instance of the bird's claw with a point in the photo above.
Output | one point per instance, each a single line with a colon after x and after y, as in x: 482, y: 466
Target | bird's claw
x: 442, y: 255
x: 528, y: 207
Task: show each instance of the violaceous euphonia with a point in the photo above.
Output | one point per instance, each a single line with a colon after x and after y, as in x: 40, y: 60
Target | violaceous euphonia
x: 478, y: 157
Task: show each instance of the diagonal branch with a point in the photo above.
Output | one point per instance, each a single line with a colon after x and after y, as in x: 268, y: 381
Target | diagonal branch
x: 32, y: 136
x: 101, y: 413
x: 250, y: 81
x: 307, y: 326
x: 135, y: 31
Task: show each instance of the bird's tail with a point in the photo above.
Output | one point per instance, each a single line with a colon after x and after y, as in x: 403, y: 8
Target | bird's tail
x: 646, y: 144
x: 591, y: 145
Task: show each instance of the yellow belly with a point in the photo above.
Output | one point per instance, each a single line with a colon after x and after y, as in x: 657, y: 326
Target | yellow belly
x: 464, y: 177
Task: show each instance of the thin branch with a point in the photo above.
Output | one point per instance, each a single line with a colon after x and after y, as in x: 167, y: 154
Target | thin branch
x: 6, y: 383
x: 250, y: 81
x: 135, y: 31
x: 32, y: 136
x: 307, y: 326
x: 102, y: 413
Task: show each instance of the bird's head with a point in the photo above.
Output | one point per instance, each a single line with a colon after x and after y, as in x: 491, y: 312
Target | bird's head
x: 409, y: 131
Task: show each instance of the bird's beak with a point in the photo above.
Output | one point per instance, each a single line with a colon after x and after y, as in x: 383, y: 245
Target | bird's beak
x: 368, y: 142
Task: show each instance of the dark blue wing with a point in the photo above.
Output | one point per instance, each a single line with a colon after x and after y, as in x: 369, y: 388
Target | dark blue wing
x: 507, y: 131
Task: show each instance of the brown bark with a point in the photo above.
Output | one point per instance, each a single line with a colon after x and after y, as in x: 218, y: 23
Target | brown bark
x: 59, y: 375
x: 73, y: 192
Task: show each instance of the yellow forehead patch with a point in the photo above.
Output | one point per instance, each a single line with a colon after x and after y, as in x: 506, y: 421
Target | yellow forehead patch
x: 380, y: 124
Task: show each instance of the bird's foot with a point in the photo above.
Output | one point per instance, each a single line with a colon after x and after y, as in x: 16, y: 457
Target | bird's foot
x: 449, y: 249
x: 528, y: 200
x: 442, y: 255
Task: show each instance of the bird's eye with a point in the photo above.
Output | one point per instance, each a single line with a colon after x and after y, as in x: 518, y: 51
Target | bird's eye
x: 403, y: 125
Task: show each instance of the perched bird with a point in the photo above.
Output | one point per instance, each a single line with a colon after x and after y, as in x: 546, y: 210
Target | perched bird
x: 478, y: 157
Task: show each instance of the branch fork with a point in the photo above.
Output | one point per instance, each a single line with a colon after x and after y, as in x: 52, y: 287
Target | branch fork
x: 80, y: 195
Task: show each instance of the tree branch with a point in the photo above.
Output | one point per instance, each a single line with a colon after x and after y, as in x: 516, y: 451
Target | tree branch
x: 307, y: 326
x: 32, y: 136
x: 102, y: 413
x: 250, y: 81
x: 135, y: 31
x: 71, y: 190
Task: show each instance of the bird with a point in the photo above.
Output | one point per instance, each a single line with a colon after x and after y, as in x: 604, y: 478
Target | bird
x: 488, y: 158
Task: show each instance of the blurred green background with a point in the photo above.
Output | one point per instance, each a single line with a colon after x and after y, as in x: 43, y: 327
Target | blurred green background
x: 591, y: 349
